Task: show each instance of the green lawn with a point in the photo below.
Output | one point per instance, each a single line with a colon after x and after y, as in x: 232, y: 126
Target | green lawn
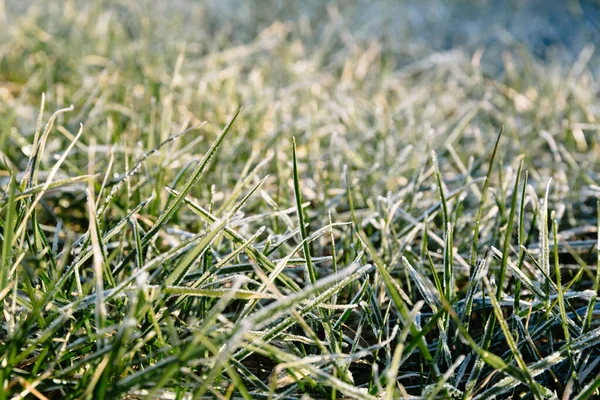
x: 292, y: 200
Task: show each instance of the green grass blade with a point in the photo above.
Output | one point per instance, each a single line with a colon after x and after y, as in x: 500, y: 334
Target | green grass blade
x: 395, y: 297
x: 192, y: 180
x: 479, y: 214
x: 8, y: 232
x: 310, y: 270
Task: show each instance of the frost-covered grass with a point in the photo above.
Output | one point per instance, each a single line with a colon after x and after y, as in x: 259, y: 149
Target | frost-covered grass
x: 264, y: 200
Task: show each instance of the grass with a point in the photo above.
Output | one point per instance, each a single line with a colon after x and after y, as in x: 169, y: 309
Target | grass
x: 295, y: 201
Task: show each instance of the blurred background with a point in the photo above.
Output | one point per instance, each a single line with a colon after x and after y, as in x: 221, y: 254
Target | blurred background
x: 542, y: 26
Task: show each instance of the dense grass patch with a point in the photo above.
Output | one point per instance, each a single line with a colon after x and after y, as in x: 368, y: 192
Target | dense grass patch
x: 295, y: 201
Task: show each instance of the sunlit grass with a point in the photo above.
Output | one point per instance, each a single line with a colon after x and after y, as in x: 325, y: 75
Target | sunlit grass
x: 295, y: 204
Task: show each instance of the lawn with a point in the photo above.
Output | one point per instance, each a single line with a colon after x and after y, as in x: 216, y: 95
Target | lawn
x: 293, y: 200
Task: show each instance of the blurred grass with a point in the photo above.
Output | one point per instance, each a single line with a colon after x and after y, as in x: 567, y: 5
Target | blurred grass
x: 147, y: 265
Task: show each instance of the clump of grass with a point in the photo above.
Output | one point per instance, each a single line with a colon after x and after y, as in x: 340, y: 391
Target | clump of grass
x: 252, y: 210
